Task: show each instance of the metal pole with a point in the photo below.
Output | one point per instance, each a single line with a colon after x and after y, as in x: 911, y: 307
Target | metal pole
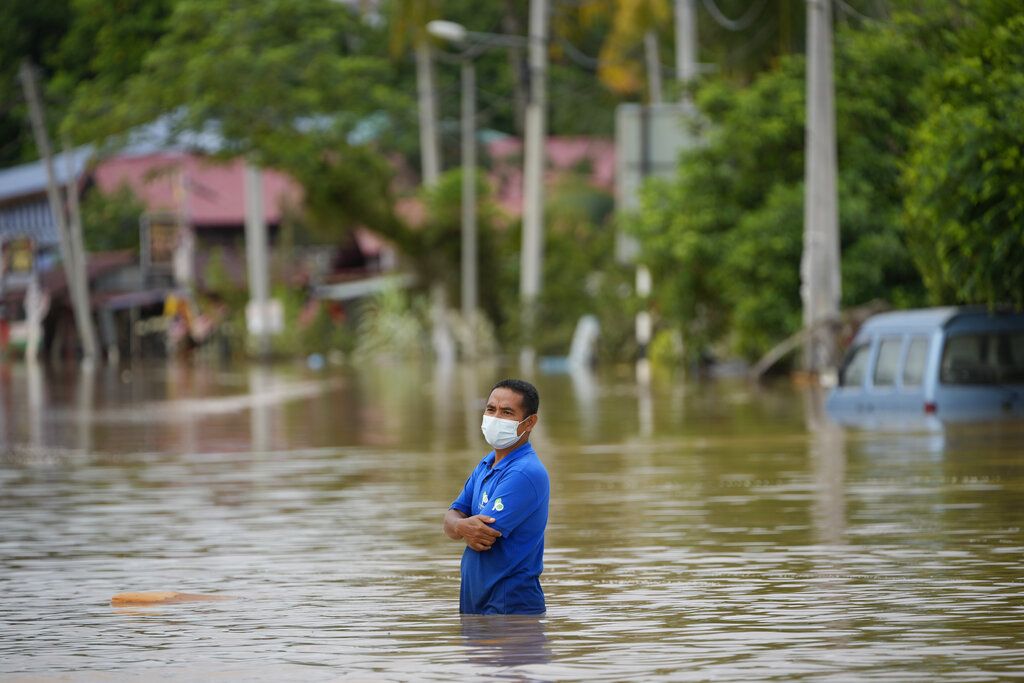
x: 469, y: 203
x: 430, y: 152
x: 256, y: 253
x: 79, y: 299
x: 653, y: 67
x: 819, y: 268
x: 686, y: 42
x: 533, y: 177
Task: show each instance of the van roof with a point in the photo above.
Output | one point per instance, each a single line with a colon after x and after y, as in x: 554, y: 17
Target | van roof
x: 927, y: 319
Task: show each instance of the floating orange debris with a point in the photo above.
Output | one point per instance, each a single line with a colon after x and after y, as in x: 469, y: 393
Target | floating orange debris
x: 161, y: 598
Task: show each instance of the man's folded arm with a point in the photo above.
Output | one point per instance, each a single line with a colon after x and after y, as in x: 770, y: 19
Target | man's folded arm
x: 472, y: 529
x: 451, y: 519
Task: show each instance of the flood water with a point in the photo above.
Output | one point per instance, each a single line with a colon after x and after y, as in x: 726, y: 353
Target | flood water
x: 697, y: 532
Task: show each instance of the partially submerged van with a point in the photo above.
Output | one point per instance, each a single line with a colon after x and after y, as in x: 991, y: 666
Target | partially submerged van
x: 955, y: 363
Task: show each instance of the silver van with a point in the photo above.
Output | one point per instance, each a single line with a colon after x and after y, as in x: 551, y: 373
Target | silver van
x: 962, y: 363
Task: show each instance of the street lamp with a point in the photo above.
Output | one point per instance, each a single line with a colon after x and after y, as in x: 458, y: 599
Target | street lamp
x: 447, y: 30
x: 476, y: 43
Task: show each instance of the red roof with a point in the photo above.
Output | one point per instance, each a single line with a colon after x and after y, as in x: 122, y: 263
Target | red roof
x: 209, y: 191
x: 563, y: 155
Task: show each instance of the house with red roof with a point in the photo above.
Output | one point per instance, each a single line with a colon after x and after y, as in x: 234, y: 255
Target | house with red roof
x: 200, y: 196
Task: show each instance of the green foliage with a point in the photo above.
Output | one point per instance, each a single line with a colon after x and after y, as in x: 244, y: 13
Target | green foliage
x: 293, y: 84
x: 666, y: 349
x: 438, y: 243
x: 106, y: 43
x: 724, y: 239
x: 407, y: 22
x: 267, y: 76
x: 309, y: 326
x: 391, y: 325
x: 580, y: 276
x: 111, y: 221
x: 964, y: 177
x: 217, y: 280
x: 29, y: 29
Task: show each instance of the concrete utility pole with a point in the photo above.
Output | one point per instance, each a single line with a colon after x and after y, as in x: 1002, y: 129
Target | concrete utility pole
x: 653, y: 67
x: 532, y: 254
x: 75, y: 229
x: 256, y: 257
x: 430, y: 149
x: 819, y: 268
x: 74, y: 267
x: 686, y: 41
x: 469, y: 207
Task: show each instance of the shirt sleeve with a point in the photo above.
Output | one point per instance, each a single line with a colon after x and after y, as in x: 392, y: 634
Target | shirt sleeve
x: 512, y: 502
x: 464, y: 503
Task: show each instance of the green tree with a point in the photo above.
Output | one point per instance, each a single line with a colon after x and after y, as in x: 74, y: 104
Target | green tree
x: 964, y: 177
x: 725, y: 237
x: 291, y: 84
x: 580, y: 275
x: 105, y: 44
x: 111, y: 221
x: 29, y: 29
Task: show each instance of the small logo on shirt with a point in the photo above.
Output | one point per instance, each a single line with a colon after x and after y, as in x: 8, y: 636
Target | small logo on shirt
x: 498, y: 505
x: 484, y: 501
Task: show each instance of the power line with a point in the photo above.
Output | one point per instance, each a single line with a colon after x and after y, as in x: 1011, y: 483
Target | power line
x: 577, y: 55
x: 852, y: 11
x: 741, y: 52
x: 741, y: 24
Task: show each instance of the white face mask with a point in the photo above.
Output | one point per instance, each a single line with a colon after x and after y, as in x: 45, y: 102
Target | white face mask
x: 500, y: 433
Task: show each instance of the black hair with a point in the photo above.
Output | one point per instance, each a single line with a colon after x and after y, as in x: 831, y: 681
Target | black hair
x: 526, y: 391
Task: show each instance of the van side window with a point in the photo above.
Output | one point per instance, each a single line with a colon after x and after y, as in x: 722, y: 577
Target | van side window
x: 888, y: 362
x: 983, y: 358
x: 855, y: 367
x: 913, y: 366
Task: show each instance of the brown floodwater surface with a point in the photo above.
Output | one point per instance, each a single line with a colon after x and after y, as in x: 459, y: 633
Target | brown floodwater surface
x: 697, y: 531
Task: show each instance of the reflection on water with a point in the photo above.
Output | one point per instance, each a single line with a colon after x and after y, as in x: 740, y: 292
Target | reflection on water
x: 711, y: 531
x: 497, y: 641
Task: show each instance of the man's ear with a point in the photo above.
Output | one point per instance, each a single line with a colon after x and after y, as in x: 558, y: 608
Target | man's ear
x: 534, y: 422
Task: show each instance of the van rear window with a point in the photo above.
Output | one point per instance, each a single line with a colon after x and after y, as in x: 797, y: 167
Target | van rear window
x: 983, y: 358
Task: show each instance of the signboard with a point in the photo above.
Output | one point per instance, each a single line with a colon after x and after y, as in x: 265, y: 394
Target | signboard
x: 648, y: 142
x: 19, y: 256
x: 158, y: 238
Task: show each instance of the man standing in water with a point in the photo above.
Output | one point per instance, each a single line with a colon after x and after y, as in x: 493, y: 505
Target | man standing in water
x: 503, y: 509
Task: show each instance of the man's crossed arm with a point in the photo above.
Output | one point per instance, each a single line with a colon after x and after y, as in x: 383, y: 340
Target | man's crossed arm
x: 473, y: 530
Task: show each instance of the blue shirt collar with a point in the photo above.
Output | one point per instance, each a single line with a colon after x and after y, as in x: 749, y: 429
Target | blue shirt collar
x: 521, y: 450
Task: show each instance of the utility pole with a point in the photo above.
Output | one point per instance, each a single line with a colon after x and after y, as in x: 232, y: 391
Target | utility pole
x: 256, y: 256
x: 653, y: 67
x: 686, y: 42
x: 532, y: 253
x: 819, y: 268
x: 430, y: 150
x: 74, y: 267
x: 469, y: 204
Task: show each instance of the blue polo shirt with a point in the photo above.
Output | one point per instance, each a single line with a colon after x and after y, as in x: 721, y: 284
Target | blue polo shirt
x: 506, y: 578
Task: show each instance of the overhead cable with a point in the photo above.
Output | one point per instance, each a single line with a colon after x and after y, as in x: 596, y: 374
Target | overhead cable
x: 740, y: 24
x: 852, y: 11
